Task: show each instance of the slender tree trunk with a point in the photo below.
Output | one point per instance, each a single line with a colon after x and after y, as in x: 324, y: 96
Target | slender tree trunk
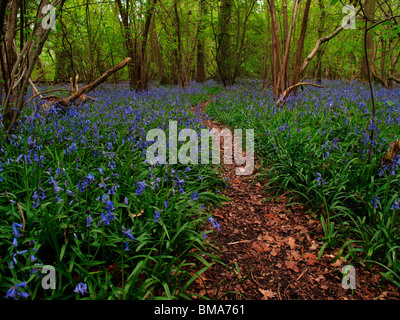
x: 300, y: 46
x: 320, y: 33
x: 224, y: 54
x: 369, y: 11
x: 201, y: 70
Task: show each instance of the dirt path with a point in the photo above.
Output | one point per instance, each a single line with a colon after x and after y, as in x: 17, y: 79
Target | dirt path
x: 271, y: 251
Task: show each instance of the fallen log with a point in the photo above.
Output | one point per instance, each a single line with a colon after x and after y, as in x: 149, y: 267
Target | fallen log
x: 79, y: 95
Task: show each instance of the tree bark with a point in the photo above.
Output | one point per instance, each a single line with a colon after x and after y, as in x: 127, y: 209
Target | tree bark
x: 201, y: 70
x: 369, y: 12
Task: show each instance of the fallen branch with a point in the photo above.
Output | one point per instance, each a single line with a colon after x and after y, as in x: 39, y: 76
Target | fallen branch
x: 79, y: 96
x: 287, y: 92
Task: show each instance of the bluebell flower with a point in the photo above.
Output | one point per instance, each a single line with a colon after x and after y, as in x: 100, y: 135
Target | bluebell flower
x: 14, y: 293
x: 90, y: 178
x: 140, y: 187
x: 127, y: 246
x: 156, y: 216
x: 112, y: 165
x: 319, y: 179
x: 107, y: 219
x: 15, y: 227
x: 395, y: 205
x: 128, y: 233
x: 36, y: 198
x: 195, y: 196
x: 15, y: 243
x: 375, y: 201
x: 126, y: 201
x: 81, y: 288
x: 88, y: 220
x: 214, y: 223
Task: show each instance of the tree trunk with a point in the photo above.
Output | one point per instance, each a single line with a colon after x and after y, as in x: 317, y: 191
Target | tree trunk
x: 300, y: 46
x: 369, y: 11
x: 224, y: 54
x: 201, y: 70
x: 320, y: 32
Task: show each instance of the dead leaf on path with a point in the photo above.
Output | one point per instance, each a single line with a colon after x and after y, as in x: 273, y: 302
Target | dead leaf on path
x: 260, y: 247
x: 295, y: 254
x: 314, y: 245
x: 291, y: 242
x: 310, y: 258
x: 267, y: 294
x: 274, y: 252
x: 338, y: 262
x: 319, y: 278
x: 290, y: 264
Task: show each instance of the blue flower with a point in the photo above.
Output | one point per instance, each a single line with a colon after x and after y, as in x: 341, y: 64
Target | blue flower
x: 128, y: 233
x: 156, y: 216
x: 90, y: 178
x: 319, y: 179
x: 215, y: 224
x: 15, y: 227
x: 140, y: 187
x: 395, y: 205
x: 107, y: 219
x: 126, y: 201
x: 81, y: 288
x: 15, y: 243
x: 375, y: 201
x: 127, y: 246
x: 195, y: 196
x: 88, y: 220
x: 14, y: 293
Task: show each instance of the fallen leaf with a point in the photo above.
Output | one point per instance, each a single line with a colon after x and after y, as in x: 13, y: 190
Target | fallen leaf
x: 274, y: 252
x: 137, y: 215
x: 260, y: 247
x: 296, y: 255
x: 290, y: 264
x: 310, y: 258
x: 314, y: 245
x: 267, y: 294
x: 291, y: 242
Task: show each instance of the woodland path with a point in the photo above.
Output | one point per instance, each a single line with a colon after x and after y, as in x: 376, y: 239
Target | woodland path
x: 271, y: 250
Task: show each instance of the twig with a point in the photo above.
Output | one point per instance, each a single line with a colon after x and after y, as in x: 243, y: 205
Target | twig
x: 236, y: 242
x: 39, y: 94
x: 22, y: 217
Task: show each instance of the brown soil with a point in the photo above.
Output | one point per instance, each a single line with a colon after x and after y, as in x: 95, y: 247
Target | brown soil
x: 270, y: 250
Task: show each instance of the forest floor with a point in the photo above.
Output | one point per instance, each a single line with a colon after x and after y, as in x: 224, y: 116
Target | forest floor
x: 269, y: 250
